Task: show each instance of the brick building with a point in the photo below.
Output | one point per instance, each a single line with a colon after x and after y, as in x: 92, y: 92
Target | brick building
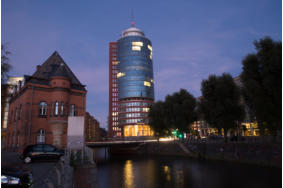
x: 92, y: 131
x: 39, y: 110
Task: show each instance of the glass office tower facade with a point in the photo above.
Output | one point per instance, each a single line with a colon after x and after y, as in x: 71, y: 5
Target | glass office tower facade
x: 135, y: 82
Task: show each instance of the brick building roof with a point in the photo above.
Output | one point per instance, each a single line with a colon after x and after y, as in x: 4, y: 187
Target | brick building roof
x: 54, y: 66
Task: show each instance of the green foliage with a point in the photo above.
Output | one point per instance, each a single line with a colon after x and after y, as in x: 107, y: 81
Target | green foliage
x: 262, y: 84
x: 5, y: 63
x: 177, y: 112
x: 220, y: 102
x: 157, y: 119
x: 180, y: 109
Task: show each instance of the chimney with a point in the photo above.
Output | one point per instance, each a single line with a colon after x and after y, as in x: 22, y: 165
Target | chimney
x: 38, y: 67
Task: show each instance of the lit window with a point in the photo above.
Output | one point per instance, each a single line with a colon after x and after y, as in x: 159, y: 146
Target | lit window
x: 56, y: 108
x: 136, y: 48
x: 73, y: 110
x: 151, y: 80
x: 149, y: 47
x: 146, y: 83
x: 145, y: 109
x: 137, y: 43
x: 42, y: 108
x: 62, y: 109
x: 150, y: 56
x: 120, y: 74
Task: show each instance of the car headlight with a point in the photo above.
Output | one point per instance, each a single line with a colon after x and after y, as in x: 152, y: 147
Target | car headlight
x: 9, y: 180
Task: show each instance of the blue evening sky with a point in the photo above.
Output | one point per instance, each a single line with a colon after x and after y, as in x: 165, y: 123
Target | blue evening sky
x: 191, y: 38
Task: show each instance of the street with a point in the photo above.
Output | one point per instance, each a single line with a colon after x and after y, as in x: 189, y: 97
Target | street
x: 45, y: 174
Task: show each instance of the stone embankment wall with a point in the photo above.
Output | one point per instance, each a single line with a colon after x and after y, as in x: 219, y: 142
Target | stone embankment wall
x: 269, y: 154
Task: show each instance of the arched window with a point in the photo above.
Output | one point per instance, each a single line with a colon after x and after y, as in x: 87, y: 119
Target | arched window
x: 73, y: 110
x: 42, y: 108
x: 56, y: 108
x: 40, y: 136
x: 62, y: 109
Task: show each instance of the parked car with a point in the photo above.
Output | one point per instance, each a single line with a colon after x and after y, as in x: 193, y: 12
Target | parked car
x: 15, y: 177
x: 41, y: 152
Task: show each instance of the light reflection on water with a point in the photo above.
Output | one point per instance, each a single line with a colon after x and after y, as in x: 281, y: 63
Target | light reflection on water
x: 128, y: 174
x: 134, y: 172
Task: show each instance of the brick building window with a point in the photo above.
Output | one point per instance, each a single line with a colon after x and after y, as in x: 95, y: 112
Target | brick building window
x: 73, y: 110
x: 42, y: 109
x: 62, y: 109
x: 56, y: 108
x: 40, y: 136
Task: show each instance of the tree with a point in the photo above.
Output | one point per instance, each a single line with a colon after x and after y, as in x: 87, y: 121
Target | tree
x: 220, y: 102
x: 180, y: 110
x: 5, y: 63
x: 262, y: 84
x: 157, y: 119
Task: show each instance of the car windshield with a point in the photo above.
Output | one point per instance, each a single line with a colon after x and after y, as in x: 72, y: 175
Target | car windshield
x: 37, y: 148
x: 49, y: 148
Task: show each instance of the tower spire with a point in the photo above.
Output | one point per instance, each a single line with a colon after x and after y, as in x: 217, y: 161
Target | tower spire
x: 132, y: 19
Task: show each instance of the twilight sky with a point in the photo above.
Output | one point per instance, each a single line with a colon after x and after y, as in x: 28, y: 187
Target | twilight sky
x: 191, y: 38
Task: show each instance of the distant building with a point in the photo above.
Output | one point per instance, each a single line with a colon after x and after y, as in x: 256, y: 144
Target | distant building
x: 92, y: 129
x: 39, y: 110
x: 246, y: 128
x: 249, y: 126
x: 13, y: 84
x: 135, y: 84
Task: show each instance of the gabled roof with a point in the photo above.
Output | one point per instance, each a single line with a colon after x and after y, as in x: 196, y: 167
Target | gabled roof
x: 55, y: 66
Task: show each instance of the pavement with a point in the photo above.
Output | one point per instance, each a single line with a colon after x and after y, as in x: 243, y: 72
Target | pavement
x: 45, y: 174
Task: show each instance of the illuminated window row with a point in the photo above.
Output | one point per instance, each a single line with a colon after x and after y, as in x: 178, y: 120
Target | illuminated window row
x: 134, y: 104
x: 114, y: 113
x: 130, y: 115
x: 115, y: 62
x: 133, y: 121
x: 134, y: 109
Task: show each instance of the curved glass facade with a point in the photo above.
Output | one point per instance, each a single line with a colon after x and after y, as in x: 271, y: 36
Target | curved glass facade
x: 135, y: 83
x: 135, y: 72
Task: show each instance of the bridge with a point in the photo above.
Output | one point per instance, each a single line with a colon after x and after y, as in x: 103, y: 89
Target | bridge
x: 122, y: 143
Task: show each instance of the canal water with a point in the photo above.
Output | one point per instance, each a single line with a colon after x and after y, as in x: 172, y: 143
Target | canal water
x: 163, y: 172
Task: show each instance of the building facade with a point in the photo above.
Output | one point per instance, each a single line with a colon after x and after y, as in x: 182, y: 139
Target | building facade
x: 39, y: 110
x: 114, y: 131
x: 92, y: 129
x: 135, y: 82
x: 13, y: 84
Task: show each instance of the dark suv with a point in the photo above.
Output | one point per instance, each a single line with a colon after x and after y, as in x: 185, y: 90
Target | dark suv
x: 41, y: 152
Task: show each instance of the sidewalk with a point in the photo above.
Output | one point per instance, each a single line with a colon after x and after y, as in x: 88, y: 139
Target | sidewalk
x: 45, y: 174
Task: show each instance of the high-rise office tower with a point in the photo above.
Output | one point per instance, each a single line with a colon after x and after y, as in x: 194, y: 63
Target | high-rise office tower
x: 113, y: 129
x: 135, y: 82
x: 132, y: 73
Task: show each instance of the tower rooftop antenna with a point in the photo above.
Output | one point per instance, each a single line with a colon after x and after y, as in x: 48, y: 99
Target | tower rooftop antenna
x: 132, y: 19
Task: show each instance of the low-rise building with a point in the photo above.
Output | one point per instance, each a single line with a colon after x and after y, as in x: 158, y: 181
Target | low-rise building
x: 92, y: 129
x: 39, y: 110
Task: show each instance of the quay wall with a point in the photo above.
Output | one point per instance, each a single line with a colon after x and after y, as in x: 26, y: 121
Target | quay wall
x: 269, y: 154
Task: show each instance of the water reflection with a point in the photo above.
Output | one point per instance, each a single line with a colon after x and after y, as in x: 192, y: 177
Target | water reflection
x: 167, y: 173
x: 128, y: 174
x: 171, y: 172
